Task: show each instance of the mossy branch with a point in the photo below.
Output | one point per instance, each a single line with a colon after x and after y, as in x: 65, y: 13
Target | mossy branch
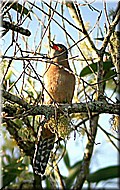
x: 49, y: 110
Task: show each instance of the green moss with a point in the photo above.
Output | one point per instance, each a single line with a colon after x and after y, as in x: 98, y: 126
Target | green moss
x: 60, y: 126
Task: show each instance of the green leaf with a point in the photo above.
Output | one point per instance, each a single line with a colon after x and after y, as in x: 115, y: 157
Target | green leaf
x: 104, y: 174
x: 11, y: 171
x: 107, y: 65
x: 73, y: 172
x: 19, y: 8
x: 67, y: 160
x: 109, y: 74
x: 48, y: 185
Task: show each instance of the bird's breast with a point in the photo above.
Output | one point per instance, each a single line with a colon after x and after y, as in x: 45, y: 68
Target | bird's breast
x: 60, y: 84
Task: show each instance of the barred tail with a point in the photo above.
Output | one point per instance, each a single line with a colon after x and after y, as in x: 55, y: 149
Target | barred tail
x: 42, y: 150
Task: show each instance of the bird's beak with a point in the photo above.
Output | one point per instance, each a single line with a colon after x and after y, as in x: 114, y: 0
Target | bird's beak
x: 52, y: 44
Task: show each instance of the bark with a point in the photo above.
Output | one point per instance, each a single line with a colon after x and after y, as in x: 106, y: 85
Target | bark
x: 19, y: 108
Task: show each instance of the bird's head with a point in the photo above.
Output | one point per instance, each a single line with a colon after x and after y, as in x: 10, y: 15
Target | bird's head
x: 59, y: 53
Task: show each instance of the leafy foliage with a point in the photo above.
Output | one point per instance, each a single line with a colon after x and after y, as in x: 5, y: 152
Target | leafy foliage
x: 12, y: 171
x: 104, y: 174
x: 107, y: 66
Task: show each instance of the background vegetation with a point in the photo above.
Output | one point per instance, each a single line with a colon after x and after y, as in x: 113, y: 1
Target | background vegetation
x: 94, y: 54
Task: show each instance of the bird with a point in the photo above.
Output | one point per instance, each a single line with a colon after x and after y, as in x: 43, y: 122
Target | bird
x: 59, y: 85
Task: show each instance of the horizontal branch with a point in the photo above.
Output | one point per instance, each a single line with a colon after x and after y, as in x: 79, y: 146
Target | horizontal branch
x: 27, y: 109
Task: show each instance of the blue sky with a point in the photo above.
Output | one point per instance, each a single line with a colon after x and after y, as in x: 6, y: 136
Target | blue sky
x: 88, y: 16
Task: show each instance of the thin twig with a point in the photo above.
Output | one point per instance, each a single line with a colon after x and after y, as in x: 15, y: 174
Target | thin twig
x: 110, y: 30
x: 108, y: 135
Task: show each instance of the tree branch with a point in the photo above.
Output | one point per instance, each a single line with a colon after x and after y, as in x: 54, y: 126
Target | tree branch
x: 93, y: 123
x: 15, y: 99
x: 110, y: 30
x: 27, y: 109
x: 10, y: 26
x: 76, y: 15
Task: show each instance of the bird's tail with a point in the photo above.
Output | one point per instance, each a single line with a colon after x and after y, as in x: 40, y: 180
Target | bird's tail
x: 43, y: 148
